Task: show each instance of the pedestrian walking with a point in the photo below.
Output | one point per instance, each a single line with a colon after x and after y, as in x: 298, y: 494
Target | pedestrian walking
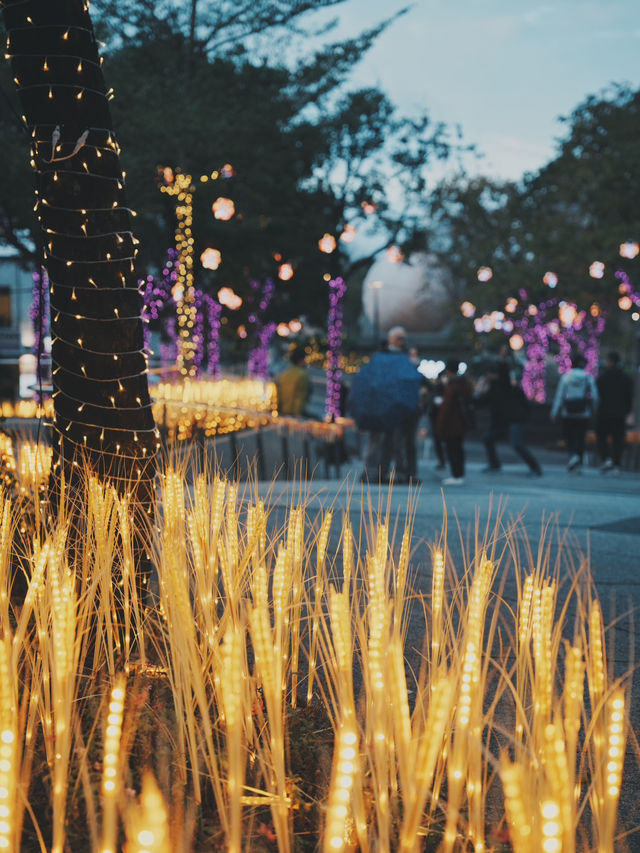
x: 454, y: 419
x: 508, y: 411
x: 491, y: 392
x: 436, y: 395
x: 384, y: 402
x: 575, y: 401
x: 615, y: 395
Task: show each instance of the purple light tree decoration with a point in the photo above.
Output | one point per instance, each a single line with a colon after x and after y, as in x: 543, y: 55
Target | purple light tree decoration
x: 570, y: 330
x: 533, y: 375
x: 213, y: 309
x: 337, y: 290
x: 258, y: 364
x: 626, y: 289
x: 39, y: 316
x: 155, y: 295
x: 169, y: 347
x: 259, y: 354
x: 578, y: 330
x: 197, y: 334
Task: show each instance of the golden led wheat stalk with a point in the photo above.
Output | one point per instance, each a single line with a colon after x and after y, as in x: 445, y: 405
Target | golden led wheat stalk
x: 498, y: 718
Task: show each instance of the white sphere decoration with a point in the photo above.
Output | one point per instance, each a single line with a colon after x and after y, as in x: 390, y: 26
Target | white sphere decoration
x: 416, y: 294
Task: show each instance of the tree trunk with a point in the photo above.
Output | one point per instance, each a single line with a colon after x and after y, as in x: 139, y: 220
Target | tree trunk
x: 101, y: 396
x: 191, y: 42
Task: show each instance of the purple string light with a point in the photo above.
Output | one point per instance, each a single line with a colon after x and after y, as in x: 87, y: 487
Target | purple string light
x: 259, y: 354
x: 169, y: 347
x: 197, y: 334
x: 39, y: 316
x: 337, y: 290
x: 533, y: 376
x: 258, y: 363
x: 571, y: 330
x: 212, y: 309
x: 626, y: 288
x: 155, y: 295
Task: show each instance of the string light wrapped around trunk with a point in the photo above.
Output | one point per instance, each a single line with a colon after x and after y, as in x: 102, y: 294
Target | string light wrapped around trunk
x: 101, y: 399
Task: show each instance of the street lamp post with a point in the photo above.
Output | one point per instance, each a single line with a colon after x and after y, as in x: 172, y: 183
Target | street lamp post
x: 376, y: 286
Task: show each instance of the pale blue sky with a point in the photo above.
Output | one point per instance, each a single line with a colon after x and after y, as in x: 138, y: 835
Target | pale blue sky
x: 504, y: 69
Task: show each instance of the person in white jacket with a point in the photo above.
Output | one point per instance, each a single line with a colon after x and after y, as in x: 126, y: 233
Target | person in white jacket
x: 575, y: 402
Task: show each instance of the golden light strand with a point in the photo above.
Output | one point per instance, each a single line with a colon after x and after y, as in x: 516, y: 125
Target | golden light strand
x: 186, y: 310
x: 147, y: 823
x: 344, y: 772
x: 111, y: 771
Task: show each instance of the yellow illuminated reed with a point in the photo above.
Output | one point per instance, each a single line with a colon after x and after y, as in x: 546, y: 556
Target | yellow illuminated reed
x: 573, y: 704
x: 340, y: 660
x: 111, y: 765
x: 244, y: 601
x: 426, y: 746
x: 339, y: 829
x: 34, y: 463
x: 9, y: 770
x: 550, y: 827
x: 234, y: 702
x: 147, y: 822
x: 608, y: 771
x: 437, y: 597
x: 375, y: 665
x: 268, y: 669
x: 464, y: 770
x: 6, y: 537
x: 521, y: 828
x: 295, y: 555
x: 318, y: 596
x: 56, y: 614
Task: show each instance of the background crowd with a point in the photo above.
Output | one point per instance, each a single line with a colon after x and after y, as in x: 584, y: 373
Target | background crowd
x: 395, y: 407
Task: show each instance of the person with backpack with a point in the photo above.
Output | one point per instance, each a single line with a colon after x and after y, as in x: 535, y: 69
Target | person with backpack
x: 455, y: 419
x: 575, y: 401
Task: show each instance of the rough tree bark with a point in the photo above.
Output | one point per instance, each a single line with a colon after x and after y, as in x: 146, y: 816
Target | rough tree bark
x: 102, y: 406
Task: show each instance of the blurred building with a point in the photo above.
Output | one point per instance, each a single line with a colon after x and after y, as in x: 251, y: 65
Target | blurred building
x: 17, y: 363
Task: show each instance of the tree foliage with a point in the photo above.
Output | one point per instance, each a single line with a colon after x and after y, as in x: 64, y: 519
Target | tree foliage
x: 577, y: 209
x: 306, y: 152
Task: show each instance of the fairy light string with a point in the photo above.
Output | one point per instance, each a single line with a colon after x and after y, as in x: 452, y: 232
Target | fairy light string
x: 258, y: 362
x: 181, y: 186
x: 551, y: 321
x: 337, y: 290
x: 39, y: 316
x: 99, y: 363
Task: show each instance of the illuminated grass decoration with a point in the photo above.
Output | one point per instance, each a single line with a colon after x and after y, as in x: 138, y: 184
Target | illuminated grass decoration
x: 173, y: 719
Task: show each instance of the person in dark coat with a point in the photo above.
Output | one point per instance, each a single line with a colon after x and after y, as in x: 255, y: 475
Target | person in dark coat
x: 436, y: 395
x: 451, y: 426
x: 492, y: 392
x: 615, y: 394
x: 508, y: 408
